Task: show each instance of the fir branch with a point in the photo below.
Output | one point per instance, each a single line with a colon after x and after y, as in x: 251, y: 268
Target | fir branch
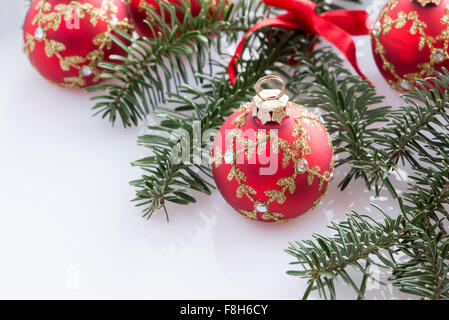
x: 358, y: 241
x: 428, y: 192
x: 353, y: 118
x: 156, y: 65
x: 349, y: 106
x: 425, y: 273
x: 417, y: 134
x: 424, y: 241
x: 413, y: 132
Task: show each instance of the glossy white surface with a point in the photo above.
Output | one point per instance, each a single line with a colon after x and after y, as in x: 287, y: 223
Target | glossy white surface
x: 68, y: 229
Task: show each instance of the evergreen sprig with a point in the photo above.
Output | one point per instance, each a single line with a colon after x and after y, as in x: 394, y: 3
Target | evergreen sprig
x: 424, y: 272
x: 349, y: 107
x: 361, y: 242
x: 156, y: 66
x: 372, y: 138
x: 416, y: 134
x: 159, y: 64
x: 358, y: 241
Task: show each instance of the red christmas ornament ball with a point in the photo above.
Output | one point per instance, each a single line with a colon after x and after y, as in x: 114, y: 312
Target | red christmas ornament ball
x: 409, y: 40
x: 65, y: 40
x: 138, y: 12
x: 272, y: 160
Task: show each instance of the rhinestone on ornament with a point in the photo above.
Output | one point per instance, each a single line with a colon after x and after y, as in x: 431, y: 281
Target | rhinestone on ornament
x: 228, y: 157
x: 86, y: 71
x: 260, y: 207
x: 375, y: 30
x: 113, y: 20
x: 405, y: 85
x: 438, y: 55
x: 302, y: 165
x: 320, y: 119
x: 39, y: 33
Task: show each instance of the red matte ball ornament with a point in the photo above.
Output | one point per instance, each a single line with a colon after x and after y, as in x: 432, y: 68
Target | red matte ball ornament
x: 65, y: 40
x: 272, y: 159
x: 410, y: 40
x: 139, y: 12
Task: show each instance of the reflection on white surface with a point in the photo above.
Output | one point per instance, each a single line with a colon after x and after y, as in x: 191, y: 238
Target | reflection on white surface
x: 68, y: 229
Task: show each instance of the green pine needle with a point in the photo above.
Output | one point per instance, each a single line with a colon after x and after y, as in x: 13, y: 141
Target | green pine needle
x: 157, y: 66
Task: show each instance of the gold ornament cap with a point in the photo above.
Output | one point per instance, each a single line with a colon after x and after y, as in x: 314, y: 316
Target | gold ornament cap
x: 270, y: 104
x: 424, y: 3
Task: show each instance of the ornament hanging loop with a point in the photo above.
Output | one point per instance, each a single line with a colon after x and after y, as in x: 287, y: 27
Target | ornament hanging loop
x: 266, y: 79
x: 270, y: 105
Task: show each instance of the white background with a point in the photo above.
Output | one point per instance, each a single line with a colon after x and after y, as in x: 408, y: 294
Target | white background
x: 68, y: 229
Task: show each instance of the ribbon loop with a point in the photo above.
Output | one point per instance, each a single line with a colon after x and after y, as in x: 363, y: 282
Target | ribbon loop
x: 334, y: 26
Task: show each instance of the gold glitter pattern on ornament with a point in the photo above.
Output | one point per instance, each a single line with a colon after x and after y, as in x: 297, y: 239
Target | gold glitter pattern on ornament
x: 437, y: 55
x: 249, y: 214
x: 147, y: 8
x: 47, y: 20
x: 290, y: 155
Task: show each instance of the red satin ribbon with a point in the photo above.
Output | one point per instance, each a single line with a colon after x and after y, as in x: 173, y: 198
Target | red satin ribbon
x: 334, y: 26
